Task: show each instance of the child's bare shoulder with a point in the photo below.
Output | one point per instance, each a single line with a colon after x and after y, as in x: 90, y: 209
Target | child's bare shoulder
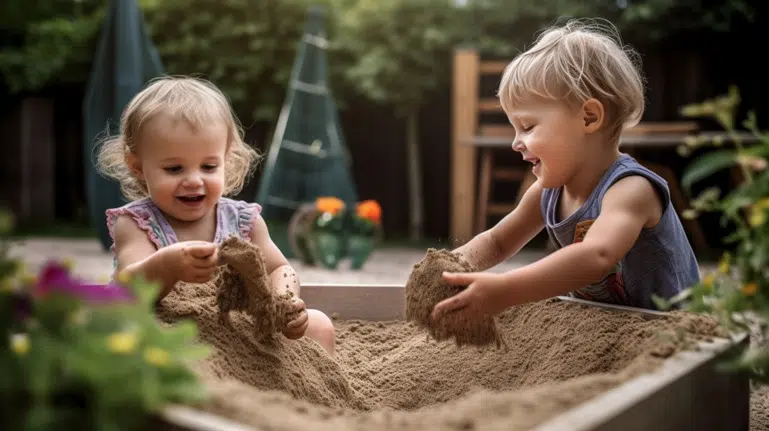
x: 637, y: 194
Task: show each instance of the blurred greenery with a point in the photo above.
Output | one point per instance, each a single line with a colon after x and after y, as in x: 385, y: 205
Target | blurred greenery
x: 75, y: 354
x: 393, y: 52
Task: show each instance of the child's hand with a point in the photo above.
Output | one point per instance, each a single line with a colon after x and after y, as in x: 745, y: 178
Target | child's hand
x: 485, y: 295
x: 195, y: 261
x: 296, y: 328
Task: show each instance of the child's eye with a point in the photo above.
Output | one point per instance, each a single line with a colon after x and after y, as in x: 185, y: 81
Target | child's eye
x: 209, y: 168
x: 527, y: 128
x: 173, y: 169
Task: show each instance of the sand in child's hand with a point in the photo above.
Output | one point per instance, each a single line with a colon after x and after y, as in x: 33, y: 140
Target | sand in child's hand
x: 245, y: 285
x: 426, y: 287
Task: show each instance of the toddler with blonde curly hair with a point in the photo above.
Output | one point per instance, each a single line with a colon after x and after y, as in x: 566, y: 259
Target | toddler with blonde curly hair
x: 180, y: 150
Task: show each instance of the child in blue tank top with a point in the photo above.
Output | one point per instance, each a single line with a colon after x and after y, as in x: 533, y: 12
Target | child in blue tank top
x: 179, y: 151
x: 618, y: 237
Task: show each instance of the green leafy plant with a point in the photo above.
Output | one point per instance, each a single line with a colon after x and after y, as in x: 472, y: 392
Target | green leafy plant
x: 86, y: 355
x: 737, y: 293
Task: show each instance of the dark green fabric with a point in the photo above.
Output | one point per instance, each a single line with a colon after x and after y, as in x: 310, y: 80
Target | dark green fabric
x: 125, y: 60
x: 308, y: 157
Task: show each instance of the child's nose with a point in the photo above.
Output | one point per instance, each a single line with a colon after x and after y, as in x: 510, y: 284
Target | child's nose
x: 518, y: 145
x: 193, y: 180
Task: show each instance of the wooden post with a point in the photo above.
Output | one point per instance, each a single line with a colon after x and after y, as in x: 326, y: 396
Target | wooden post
x: 464, y: 125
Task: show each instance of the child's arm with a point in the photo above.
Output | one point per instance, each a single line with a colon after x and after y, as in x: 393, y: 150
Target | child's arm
x: 136, y: 255
x: 282, y: 275
x: 628, y: 206
x: 507, y: 237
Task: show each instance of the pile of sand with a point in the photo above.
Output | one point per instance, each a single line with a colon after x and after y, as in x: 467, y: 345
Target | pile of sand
x: 426, y: 287
x: 390, y: 375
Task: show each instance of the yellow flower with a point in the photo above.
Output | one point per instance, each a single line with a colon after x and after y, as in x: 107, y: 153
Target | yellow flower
x: 68, y: 263
x: 707, y: 281
x: 749, y: 289
x: 723, y: 265
x: 20, y: 344
x: 122, y: 342
x: 689, y: 214
x: 757, y: 216
x: 123, y: 277
x: 156, y: 356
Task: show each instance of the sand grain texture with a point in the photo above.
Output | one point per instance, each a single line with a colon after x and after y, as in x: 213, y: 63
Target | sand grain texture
x: 392, y: 376
x: 426, y: 287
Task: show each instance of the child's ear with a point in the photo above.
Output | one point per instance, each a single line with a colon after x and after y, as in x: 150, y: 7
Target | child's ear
x: 134, y: 165
x: 593, y: 115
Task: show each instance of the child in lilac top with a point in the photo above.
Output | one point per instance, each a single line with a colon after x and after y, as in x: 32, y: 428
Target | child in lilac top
x: 179, y: 151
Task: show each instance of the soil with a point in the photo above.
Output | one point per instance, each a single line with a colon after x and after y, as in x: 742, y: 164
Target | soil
x: 394, y: 376
x: 426, y: 287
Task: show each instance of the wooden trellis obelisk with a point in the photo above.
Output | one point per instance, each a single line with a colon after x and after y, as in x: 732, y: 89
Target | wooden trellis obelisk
x: 307, y: 157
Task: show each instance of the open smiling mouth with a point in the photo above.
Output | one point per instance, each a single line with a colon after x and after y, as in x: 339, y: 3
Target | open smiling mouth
x: 191, y: 199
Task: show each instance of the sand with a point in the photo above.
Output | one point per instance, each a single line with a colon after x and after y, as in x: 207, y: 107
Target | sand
x: 426, y: 287
x: 393, y: 376
x: 245, y: 286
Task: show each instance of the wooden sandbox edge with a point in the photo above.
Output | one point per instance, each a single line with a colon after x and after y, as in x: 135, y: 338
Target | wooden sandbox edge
x: 686, y: 392
x: 669, y: 398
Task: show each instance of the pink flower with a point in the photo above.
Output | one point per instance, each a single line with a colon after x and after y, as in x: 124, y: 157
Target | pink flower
x: 56, y: 278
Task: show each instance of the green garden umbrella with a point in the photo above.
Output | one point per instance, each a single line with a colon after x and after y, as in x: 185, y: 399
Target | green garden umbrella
x: 308, y: 157
x: 125, y: 60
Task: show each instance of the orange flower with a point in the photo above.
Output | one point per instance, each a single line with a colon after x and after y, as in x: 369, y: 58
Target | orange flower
x: 330, y: 205
x: 749, y: 289
x: 370, y: 210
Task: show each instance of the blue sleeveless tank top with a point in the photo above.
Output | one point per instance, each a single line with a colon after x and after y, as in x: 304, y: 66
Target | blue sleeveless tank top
x: 661, y: 261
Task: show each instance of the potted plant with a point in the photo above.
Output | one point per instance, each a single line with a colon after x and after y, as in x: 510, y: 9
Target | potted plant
x: 87, y: 356
x: 327, y: 231
x: 737, y: 292
x: 365, y: 232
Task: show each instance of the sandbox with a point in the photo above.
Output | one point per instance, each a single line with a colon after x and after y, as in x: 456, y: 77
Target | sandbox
x: 684, y: 391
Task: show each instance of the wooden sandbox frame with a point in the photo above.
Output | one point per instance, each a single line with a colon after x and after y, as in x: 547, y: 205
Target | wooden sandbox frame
x: 686, y: 393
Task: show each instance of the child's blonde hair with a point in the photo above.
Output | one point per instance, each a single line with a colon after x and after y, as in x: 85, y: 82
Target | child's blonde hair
x: 580, y: 60
x: 191, y: 99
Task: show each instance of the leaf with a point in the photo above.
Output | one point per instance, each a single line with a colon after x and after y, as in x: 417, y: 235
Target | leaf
x: 707, y: 164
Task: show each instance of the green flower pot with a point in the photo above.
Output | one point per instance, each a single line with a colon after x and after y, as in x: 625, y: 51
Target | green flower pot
x: 327, y: 249
x: 359, y: 249
x: 327, y: 240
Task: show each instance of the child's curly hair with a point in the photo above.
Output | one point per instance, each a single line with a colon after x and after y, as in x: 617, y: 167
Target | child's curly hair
x: 580, y: 60
x: 194, y: 100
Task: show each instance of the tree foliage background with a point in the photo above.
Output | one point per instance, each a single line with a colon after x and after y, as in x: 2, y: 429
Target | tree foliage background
x: 247, y: 46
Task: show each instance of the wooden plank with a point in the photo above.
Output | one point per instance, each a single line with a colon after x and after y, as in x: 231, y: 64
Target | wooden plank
x: 686, y: 393
x: 183, y: 418
x: 464, y: 124
x: 497, y: 208
x: 489, y: 105
x: 508, y: 174
x: 663, y: 127
x: 504, y: 131
x: 640, y: 141
x: 373, y: 302
x: 493, y: 67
